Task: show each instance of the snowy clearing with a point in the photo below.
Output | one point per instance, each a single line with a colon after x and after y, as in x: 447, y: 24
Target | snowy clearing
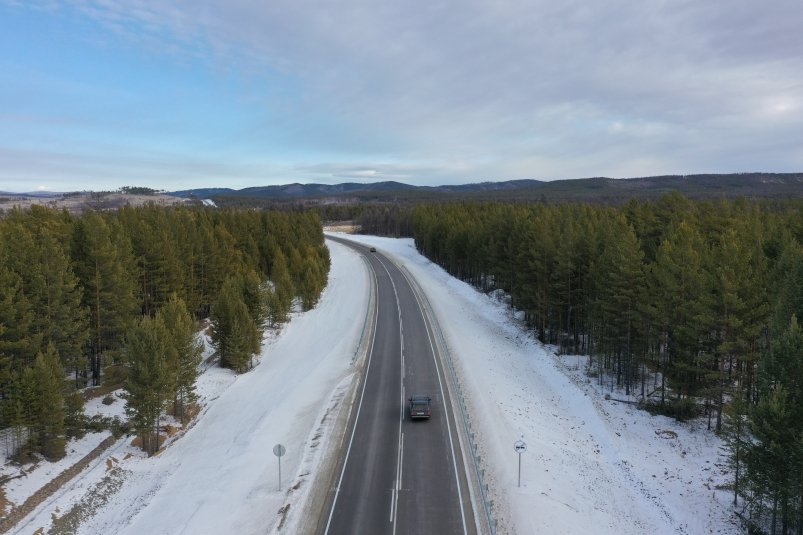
x: 592, y: 465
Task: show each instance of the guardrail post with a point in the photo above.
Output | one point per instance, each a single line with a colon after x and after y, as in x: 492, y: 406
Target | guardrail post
x: 458, y: 388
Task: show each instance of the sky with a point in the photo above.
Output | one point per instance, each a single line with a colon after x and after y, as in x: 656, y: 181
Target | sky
x: 182, y: 94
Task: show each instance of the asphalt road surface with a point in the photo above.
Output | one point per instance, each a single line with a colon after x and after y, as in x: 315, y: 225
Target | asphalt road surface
x: 399, y: 476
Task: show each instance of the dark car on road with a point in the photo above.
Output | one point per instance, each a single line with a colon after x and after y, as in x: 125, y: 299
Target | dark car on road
x: 420, y: 407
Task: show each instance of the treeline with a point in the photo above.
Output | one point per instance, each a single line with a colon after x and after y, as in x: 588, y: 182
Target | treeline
x: 693, y: 306
x: 114, y: 297
x: 138, y: 190
x: 378, y: 219
x: 392, y: 219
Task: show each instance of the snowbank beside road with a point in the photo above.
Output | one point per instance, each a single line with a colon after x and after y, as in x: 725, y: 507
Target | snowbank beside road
x: 592, y: 465
x: 221, y: 476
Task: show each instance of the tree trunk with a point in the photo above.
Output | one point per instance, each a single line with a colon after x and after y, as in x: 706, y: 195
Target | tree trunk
x: 736, y: 465
x: 629, y: 355
x: 156, y: 432
x: 721, y: 399
x: 774, y: 512
x: 96, y: 352
x: 643, y: 380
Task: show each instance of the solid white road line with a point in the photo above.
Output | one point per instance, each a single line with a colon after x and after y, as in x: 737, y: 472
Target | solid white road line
x: 444, y: 397
x: 356, y: 418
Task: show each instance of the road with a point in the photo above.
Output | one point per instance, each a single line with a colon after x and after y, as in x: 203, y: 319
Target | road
x: 399, y: 476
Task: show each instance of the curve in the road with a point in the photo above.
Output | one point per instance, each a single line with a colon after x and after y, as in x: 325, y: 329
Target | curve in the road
x: 400, y: 476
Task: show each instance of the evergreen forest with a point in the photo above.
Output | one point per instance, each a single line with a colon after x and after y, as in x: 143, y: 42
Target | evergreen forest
x: 94, y: 302
x: 693, y: 308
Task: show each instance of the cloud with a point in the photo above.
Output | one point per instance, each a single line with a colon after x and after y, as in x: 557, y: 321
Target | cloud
x: 356, y: 172
x: 469, y: 89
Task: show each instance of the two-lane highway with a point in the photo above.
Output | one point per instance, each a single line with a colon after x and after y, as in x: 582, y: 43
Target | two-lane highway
x: 399, y: 476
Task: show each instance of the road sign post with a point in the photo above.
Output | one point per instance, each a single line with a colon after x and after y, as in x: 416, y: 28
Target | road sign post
x: 278, y: 451
x: 520, y: 447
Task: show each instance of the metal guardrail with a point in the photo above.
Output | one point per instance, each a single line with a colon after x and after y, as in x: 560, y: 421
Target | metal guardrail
x: 361, y: 344
x: 370, y: 308
x: 443, y: 347
x: 313, y: 513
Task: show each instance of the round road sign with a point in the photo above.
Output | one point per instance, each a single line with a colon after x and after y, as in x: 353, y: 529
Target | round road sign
x: 520, y: 446
x: 278, y: 450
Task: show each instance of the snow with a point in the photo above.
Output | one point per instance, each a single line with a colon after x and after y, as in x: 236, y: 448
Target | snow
x: 221, y: 476
x: 592, y: 465
x: 29, y: 478
x: 96, y: 407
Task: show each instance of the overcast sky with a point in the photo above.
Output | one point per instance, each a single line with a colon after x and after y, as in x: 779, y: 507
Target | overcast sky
x: 98, y: 94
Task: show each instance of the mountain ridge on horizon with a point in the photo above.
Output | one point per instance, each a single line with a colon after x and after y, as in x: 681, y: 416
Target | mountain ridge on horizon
x: 761, y: 185
x: 698, y: 185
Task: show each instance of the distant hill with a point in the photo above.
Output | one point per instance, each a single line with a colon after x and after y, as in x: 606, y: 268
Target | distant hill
x: 39, y: 194
x: 203, y: 193
x: 757, y: 185
x: 596, y: 189
x: 78, y: 202
x: 297, y: 190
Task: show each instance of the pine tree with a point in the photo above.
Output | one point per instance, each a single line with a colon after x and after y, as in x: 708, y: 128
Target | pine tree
x: 618, y: 288
x: 154, y: 246
x: 773, y: 462
x: 284, y: 289
x: 74, y: 417
x: 736, y: 439
x: 45, y: 278
x: 59, y: 315
x: 787, y: 277
x: 770, y: 469
x: 187, y: 348
x: 103, y: 266
x: 240, y: 341
x: 148, y: 385
x: 313, y: 281
x: 18, y: 339
x: 254, y: 292
x: 681, y: 287
x: 187, y: 241
x: 45, y: 385
x: 16, y: 412
x: 740, y: 309
x: 234, y: 334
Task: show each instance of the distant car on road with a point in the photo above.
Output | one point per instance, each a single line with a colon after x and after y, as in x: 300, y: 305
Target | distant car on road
x: 373, y: 249
x: 420, y: 407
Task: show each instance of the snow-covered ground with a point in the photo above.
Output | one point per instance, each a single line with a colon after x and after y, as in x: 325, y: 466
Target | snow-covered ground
x: 222, y: 475
x: 592, y: 465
